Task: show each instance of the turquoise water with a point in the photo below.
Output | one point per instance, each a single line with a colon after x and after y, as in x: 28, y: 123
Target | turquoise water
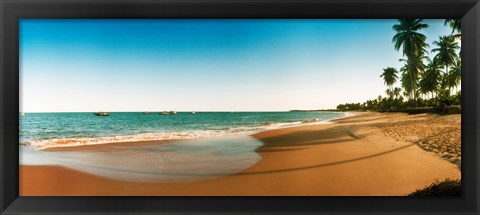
x: 43, y: 130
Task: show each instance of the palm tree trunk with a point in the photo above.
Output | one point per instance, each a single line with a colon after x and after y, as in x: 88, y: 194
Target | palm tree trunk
x: 448, y: 82
x: 412, y: 91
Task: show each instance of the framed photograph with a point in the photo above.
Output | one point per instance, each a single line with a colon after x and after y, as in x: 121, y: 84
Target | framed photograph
x: 322, y: 107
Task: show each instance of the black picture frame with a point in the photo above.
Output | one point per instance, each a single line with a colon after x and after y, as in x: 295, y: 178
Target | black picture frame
x: 13, y: 10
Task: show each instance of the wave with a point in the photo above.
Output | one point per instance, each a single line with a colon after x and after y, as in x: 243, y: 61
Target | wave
x: 159, y: 136
x: 174, y: 135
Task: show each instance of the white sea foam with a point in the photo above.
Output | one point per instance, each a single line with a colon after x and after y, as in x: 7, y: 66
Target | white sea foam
x: 195, y: 134
x: 314, y: 121
x: 281, y: 125
x: 348, y: 114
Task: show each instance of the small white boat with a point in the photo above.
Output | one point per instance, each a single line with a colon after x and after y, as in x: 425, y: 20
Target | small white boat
x: 168, y: 112
x: 102, y: 114
x: 21, y: 113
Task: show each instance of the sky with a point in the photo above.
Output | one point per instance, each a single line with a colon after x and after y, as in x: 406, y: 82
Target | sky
x: 205, y: 65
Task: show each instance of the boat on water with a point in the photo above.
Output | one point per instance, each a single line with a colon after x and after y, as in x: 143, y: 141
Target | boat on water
x: 167, y: 112
x: 21, y: 113
x: 145, y: 113
x: 102, y: 114
x: 193, y: 112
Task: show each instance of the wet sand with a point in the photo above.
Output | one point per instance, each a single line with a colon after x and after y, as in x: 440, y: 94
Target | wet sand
x: 369, y: 154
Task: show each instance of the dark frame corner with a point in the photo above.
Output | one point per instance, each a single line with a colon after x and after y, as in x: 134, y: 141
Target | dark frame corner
x: 13, y: 10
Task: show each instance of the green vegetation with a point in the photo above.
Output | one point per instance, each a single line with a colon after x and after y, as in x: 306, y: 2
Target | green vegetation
x: 448, y: 187
x: 456, y: 26
x: 427, y: 85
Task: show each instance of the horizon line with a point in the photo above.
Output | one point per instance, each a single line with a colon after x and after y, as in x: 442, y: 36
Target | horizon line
x: 197, y: 111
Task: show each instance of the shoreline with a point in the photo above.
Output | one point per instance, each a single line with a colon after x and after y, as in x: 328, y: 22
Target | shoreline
x: 349, y: 157
x: 160, y: 141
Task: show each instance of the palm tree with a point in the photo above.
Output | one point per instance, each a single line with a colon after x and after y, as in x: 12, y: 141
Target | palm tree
x: 407, y: 37
x: 412, y: 43
x: 432, y: 76
x: 407, y: 84
x: 453, y: 77
x: 423, y: 86
x: 389, y: 76
x: 414, y: 66
x: 456, y: 73
x: 396, y: 92
x: 405, y: 92
x: 447, y: 52
x: 389, y: 93
x: 455, y: 24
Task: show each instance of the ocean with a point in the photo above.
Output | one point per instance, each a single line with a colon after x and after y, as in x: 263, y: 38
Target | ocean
x: 44, y: 130
x: 204, y: 145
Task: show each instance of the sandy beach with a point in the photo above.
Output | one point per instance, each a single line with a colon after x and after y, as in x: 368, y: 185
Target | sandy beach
x: 371, y: 154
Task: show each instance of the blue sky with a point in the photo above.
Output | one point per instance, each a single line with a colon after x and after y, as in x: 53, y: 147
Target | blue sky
x: 204, y: 65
